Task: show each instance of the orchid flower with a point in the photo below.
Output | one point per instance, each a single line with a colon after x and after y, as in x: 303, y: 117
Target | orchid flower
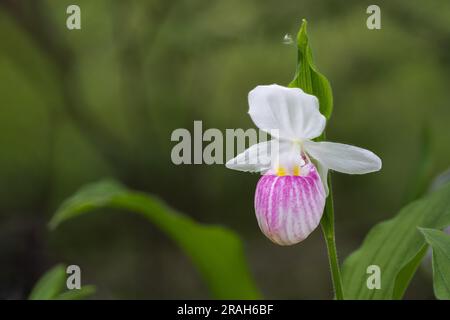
x: 290, y: 196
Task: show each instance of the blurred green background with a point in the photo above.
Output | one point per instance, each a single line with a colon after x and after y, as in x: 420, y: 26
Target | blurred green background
x: 78, y: 106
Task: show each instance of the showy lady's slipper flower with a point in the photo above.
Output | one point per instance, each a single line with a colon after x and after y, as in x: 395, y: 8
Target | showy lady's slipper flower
x: 290, y: 196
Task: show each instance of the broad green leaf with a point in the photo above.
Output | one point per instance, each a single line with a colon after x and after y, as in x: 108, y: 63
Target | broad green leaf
x: 440, y: 243
x: 50, y: 284
x: 215, y: 251
x: 308, y: 78
x: 406, y: 274
x: 397, y: 247
x: 77, y: 294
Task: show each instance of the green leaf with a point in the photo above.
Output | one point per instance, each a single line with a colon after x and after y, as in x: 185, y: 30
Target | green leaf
x: 77, y: 294
x: 308, y: 78
x: 215, y: 251
x: 407, y: 272
x: 396, y: 247
x: 50, y: 285
x: 440, y: 243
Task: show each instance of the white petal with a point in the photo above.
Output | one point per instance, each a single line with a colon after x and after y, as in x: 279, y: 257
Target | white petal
x: 343, y: 157
x: 292, y: 112
x: 254, y: 159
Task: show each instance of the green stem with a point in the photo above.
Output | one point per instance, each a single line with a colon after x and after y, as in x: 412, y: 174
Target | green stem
x: 327, y: 224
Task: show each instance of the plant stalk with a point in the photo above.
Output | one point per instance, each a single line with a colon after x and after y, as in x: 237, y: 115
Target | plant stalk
x: 327, y: 224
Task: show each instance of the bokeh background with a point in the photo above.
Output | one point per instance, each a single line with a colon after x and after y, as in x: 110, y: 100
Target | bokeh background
x: 78, y: 106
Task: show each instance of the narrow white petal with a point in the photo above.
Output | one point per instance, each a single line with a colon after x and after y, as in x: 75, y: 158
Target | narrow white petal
x: 343, y: 157
x: 294, y: 114
x: 257, y: 158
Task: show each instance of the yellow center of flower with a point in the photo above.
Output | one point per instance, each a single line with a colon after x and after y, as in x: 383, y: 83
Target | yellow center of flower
x: 282, y: 171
